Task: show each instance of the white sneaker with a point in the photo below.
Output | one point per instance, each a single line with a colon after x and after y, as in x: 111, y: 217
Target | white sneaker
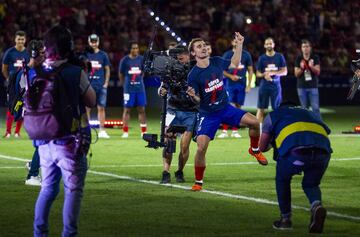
x: 103, y: 134
x: 223, y: 135
x: 28, y: 165
x: 125, y: 135
x: 33, y: 181
x: 235, y: 134
x: 17, y: 135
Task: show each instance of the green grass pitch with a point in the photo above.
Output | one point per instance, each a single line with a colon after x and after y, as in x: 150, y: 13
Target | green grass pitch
x: 123, y: 196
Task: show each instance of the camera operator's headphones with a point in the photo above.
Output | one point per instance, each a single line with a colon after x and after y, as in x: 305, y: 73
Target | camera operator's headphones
x: 34, y: 48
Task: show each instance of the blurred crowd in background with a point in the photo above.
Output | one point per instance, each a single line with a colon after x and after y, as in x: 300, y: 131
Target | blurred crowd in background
x: 333, y: 26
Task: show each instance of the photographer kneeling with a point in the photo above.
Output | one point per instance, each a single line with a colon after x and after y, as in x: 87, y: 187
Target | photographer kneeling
x: 181, y: 111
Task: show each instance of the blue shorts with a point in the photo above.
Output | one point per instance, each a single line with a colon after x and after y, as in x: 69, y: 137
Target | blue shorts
x: 209, y: 123
x: 183, y: 118
x: 134, y: 99
x: 272, y: 92
x: 236, y: 94
x: 101, y: 94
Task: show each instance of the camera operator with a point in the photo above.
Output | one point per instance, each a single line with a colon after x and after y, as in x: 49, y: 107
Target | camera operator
x: 64, y: 156
x: 182, y: 111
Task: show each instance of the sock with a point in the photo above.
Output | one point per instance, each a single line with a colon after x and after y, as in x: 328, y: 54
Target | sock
x: 235, y: 129
x: 143, y: 127
x: 199, y: 174
x: 126, y: 129
x: 225, y: 127
x: 254, y: 143
x: 9, y: 121
x: 18, y: 126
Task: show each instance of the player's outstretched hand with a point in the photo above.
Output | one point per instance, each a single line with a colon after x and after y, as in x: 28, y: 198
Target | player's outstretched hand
x: 239, y: 38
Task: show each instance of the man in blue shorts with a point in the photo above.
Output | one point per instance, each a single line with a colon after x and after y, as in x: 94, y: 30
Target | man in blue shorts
x: 131, y: 78
x: 270, y: 67
x: 206, y: 87
x: 237, y: 86
x: 99, y: 78
x: 13, y: 62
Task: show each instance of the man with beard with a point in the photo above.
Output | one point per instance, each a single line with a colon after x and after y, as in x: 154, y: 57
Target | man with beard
x: 307, y: 71
x: 270, y: 67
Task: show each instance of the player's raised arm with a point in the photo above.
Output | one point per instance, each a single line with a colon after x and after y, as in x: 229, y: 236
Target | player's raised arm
x: 236, y: 58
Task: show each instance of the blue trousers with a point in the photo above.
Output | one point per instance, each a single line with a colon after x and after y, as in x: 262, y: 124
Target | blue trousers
x: 313, y: 165
x: 60, y: 161
x: 310, y: 97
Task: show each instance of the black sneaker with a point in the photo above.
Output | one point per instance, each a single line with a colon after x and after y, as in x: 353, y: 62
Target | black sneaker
x: 283, y: 224
x: 179, y: 176
x: 318, y: 215
x: 165, y: 177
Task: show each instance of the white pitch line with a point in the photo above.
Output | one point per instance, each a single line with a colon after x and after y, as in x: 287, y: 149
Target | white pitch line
x: 344, y: 135
x: 12, y: 167
x: 218, y: 193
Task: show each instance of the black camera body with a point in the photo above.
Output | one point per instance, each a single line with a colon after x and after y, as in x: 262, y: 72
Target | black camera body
x: 173, y: 76
x: 80, y: 59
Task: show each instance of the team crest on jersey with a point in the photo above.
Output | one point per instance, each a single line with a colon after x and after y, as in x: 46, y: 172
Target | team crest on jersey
x: 271, y: 67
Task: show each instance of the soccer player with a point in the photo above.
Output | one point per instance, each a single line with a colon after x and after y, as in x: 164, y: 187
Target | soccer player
x: 130, y: 76
x: 99, y: 78
x: 236, y: 86
x: 301, y: 144
x: 270, y: 67
x: 12, y: 62
x: 307, y: 70
x: 207, y: 88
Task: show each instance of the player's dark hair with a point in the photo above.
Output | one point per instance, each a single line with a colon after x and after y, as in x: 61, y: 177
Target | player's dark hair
x: 305, y: 41
x: 20, y: 33
x: 34, y: 47
x: 131, y: 43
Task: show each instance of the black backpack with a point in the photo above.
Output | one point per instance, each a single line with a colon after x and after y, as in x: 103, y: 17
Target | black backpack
x: 50, y: 110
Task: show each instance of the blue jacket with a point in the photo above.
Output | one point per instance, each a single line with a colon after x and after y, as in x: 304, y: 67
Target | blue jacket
x: 295, y: 127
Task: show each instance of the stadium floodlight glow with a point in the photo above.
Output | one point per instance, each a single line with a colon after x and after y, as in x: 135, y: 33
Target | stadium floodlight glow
x: 248, y: 20
x: 173, y: 34
x: 184, y: 43
x: 157, y: 18
x: 178, y: 39
x: 162, y: 23
x: 152, y: 13
x: 167, y: 28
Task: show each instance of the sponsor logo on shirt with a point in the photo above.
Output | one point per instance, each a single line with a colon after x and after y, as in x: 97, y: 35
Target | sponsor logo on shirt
x: 271, y: 67
x: 95, y: 64
x: 134, y: 72
x: 18, y: 63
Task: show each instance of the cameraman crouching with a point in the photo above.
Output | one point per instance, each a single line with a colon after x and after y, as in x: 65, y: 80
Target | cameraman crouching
x: 182, y: 111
